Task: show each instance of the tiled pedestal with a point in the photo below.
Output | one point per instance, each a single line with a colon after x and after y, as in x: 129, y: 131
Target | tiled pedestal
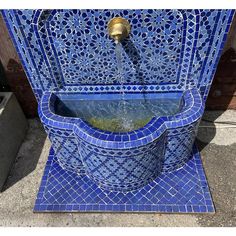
x: 182, y: 191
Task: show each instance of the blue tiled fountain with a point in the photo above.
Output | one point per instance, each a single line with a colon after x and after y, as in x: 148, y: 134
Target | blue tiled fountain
x: 122, y: 117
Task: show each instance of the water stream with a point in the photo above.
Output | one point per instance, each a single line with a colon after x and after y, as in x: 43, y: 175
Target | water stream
x: 115, y: 112
x: 126, y: 122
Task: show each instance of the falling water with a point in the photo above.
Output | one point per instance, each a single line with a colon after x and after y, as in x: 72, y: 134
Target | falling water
x: 126, y: 122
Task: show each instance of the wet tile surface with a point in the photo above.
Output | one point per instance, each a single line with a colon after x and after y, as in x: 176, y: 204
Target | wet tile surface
x: 182, y: 191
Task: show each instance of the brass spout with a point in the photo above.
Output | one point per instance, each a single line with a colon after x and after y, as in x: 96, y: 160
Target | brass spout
x: 118, y: 28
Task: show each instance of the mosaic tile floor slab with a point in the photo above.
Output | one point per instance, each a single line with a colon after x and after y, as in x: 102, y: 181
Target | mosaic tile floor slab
x: 182, y: 191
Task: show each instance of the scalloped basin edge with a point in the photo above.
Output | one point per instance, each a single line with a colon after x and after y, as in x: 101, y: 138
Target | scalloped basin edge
x: 128, y: 160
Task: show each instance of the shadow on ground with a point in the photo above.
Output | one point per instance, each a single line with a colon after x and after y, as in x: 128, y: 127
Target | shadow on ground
x: 208, y: 119
x: 28, y: 155
x: 219, y: 163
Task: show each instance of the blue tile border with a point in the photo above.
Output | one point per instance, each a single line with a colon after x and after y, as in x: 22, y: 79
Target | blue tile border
x: 182, y: 191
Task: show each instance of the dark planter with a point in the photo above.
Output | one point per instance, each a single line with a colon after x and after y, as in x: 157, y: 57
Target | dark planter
x: 13, y: 126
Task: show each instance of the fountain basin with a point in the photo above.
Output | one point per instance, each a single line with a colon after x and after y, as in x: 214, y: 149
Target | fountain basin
x: 122, y: 161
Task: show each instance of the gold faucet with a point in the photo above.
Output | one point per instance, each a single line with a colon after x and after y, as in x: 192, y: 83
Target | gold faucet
x: 118, y: 28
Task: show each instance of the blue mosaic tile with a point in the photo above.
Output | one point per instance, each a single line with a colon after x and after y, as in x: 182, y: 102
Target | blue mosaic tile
x: 168, y: 50
x: 123, y: 161
x: 182, y: 191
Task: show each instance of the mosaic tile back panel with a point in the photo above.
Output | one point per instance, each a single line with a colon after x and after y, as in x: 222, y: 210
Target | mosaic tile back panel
x: 70, y: 50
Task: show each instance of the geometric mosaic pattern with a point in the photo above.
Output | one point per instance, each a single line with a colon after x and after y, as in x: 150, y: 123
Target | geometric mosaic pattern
x: 122, y: 172
x: 178, y: 150
x: 88, y: 45
x: 182, y: 191
x: 70, y: 50
x: 67, y: 152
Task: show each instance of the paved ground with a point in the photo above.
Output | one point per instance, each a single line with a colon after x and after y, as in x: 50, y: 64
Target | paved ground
x: 218, y: 150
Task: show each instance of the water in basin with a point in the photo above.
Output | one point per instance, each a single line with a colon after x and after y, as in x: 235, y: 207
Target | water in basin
x: 106, y: 111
